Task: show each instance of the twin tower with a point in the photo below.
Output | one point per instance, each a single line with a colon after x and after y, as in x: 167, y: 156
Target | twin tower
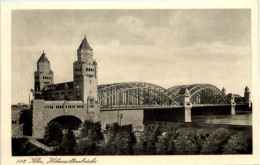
x: 84, y: 85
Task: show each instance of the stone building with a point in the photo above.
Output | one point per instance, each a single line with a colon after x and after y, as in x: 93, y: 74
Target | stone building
x: 77, y: 98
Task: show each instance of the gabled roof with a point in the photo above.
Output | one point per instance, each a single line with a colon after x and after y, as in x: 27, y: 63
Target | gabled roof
x: 84, y: 44
x: 43, y: 58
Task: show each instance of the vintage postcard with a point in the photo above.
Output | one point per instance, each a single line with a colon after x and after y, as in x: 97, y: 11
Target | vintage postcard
x: 129, y: 83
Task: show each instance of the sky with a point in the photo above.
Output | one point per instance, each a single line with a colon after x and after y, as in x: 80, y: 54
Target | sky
x: 163, y: 47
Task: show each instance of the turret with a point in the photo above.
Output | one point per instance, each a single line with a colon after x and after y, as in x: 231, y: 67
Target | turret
x: 44, y: 75
x: 186, y: 96
x: 223, y: 92
x: 247, y: 96
x: 187, y: 106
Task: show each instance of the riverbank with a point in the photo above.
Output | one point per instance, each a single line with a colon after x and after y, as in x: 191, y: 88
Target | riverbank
x: 175, y: 125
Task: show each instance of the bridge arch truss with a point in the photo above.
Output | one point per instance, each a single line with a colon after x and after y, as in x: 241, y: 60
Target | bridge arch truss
x: 134, y: 93
x: 200, y: 94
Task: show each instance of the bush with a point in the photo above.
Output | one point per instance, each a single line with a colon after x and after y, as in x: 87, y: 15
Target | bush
x: 53, y: 134
x: 240, y: 143
x: 215, y: 141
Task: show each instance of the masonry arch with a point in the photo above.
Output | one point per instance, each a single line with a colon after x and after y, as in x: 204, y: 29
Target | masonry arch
x: 68, y: 121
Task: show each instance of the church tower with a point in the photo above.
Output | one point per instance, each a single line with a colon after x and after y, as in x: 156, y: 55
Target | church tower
x: 85, y: 75
x: 44, y: 75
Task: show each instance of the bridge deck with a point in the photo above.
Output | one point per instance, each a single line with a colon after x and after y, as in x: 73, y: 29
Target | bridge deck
x: 147, y: 107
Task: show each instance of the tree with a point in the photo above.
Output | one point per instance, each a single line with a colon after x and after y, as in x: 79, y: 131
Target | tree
x: 120, y: 140
x: 67, y: 144
x: 201, y: 136
x: 240, y: 143
x: 91, y: 130
x: 150, y: 138
x: 165, y: 143
x: 186, y: 142
x: 89, y: 138
x: 53, y: 134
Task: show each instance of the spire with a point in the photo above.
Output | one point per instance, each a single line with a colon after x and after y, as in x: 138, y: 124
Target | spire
x: 84, y: 44
x: 223, y: 91
x: 43, y: 58
x: 187, y: 92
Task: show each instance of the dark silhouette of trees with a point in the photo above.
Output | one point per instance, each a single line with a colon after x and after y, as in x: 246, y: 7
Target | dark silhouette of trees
x: 120, y: 140
x: 53, y: 134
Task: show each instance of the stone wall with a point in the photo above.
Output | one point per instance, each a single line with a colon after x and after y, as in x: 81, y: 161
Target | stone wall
x: 17, y: 130
x: 46, y: 111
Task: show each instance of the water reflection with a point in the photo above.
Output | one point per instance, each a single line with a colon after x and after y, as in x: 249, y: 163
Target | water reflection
x: 241, y: 118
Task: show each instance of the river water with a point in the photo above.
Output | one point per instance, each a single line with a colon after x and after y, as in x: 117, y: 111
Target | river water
x: 241, y: 118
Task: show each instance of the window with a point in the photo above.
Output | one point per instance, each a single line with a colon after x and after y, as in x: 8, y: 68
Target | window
x: 91, y: 103
x: 90, y: 81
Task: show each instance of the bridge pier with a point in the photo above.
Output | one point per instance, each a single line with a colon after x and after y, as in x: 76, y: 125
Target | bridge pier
x: 187, y: 112
x: 233, y: 109
x: 187, y: 106
x: 233, y: 105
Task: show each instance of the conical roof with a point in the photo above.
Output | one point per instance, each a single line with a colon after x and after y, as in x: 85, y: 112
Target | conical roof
x: 187, y: 91
x: 43, y: 58
x: 84, y: 44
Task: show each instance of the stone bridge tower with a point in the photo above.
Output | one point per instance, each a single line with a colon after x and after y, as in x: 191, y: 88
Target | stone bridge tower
x: 187, y: 106
x: 247, y: 97
x: 44, y: 75
x: 85, y: 77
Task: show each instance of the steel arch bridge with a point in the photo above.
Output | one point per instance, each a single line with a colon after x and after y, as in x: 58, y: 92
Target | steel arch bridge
x: 201, y: 93
x: 134, y: 95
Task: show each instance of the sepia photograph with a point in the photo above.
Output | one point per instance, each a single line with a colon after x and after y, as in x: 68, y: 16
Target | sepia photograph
x: 131, y: 82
